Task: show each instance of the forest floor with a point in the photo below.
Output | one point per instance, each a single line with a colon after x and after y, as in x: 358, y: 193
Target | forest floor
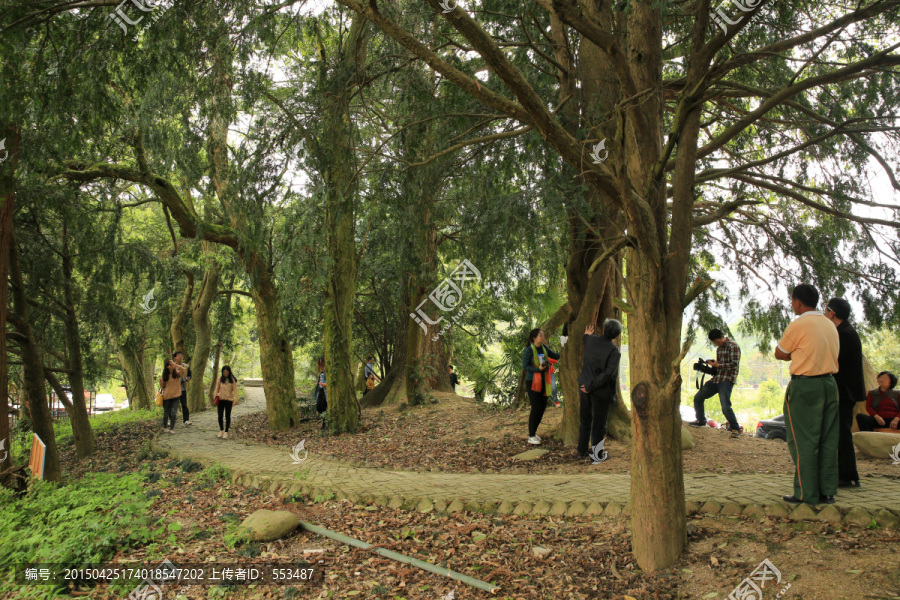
x: 589, y: 557
x: 461, y: 435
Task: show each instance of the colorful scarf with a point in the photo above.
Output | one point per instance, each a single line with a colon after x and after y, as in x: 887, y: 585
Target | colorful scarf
x: 540, y: 382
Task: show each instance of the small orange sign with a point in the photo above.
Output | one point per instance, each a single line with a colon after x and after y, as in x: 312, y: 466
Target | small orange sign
x: 38, y: 453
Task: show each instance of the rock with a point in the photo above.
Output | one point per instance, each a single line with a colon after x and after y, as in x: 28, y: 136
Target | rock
x: 732, y: 508
x: 711, y: 507
x: 395, y: 502
x: 690, y: 507
x: 531, y: 454
x: 506, y: 507
x: 540, y: 551
x: 594, y: 509
x: 803, y: 512
x: 522, y: 508
x: 268, y: 525
x: 558, y: 509
x: 858, y: 517
x: 425, y: 505
x: 612, y: 510
x: 754, y: 511
x: 576, y: 509
x: 777, y: 510
x: 541, y: 508
x: 687, y: 440
x: 830, y: 514
x: 886, y: 519
x: 456, y: 506
x: 876, y: 445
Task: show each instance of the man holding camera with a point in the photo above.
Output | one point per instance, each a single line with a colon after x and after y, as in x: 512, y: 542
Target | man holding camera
x: 727, y: 362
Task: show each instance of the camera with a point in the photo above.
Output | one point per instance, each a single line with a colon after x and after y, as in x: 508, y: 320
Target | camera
x: 701, y: 366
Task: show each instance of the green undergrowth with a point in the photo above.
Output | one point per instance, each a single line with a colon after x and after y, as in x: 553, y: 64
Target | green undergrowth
x: 86, y: 521
x: 110, y: 420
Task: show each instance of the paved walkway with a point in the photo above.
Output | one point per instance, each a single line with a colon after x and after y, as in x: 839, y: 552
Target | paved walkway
x: 272, y: 468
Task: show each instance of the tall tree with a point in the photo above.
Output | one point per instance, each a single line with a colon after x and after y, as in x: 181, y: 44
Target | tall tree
x: 651, y: 153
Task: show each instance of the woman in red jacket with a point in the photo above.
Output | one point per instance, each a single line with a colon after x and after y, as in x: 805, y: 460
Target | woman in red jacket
x: 882, y: 404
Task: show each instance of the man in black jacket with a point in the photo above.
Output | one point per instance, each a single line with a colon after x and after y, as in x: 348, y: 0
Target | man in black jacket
x: 597, y: 381
x: 851, y: 388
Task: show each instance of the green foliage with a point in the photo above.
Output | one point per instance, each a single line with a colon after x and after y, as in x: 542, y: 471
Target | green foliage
x: 771, y: 396
x: 214, y: 473
x: 86, y: 521
x: 882, y: 348
x: 110, y: 420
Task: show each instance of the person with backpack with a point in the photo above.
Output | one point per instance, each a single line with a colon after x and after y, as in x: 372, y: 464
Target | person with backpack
x: 226, y: 395
x: 535, y: 363
x: 170, y: 382
x: 322, y: 391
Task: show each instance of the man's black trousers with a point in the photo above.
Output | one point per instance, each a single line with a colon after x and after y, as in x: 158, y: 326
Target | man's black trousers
x: 594, y: 414
x: 846, y: 451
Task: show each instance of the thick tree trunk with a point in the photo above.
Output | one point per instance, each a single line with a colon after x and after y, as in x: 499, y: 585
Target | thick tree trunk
x: 657, y: 268
x: 78, y: 414
x: 341, y: 191
x: 176, y: 330
x: 276, y: 354
x: 33, y: 367
x: 427, y: 366
x: 7, y: 205
x: 392, y: 387
x: 202, y: 332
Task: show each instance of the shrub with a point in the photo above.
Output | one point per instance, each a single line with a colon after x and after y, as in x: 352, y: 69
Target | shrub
x: 86, y: 521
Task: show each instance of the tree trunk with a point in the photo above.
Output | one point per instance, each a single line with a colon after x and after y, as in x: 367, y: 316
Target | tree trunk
x: 216, y: 372
x: 276, y: 355
x: 657, y: 268
x: 78, y: 415
x: 426, y: 361
x: 202, y: 331
x: 393, y: 386
x: 7, y: 198
x: 139, y: 385
x: 341, y: 191
x: 33, y: 368
x: 216, y: 375
x: 177, y: 327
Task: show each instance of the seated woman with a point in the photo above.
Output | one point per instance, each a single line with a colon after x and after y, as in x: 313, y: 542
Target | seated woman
x: 882, y: 404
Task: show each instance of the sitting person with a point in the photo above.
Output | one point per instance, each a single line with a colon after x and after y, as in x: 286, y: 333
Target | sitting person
x: 882, y: 404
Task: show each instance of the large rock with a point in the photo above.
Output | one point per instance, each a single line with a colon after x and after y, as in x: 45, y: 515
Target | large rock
x: 687, y: 440
x: 876, y: 445
x: 268, y: 525
x: 252, y: 382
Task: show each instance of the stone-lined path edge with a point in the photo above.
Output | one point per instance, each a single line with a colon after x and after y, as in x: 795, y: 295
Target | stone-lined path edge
x: 271, y: 469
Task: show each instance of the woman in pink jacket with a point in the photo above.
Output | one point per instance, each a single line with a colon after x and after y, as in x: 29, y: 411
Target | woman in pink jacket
x: 226, y: 394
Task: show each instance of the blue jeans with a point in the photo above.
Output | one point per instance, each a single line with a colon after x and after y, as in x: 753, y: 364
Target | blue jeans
x: 710, y: 389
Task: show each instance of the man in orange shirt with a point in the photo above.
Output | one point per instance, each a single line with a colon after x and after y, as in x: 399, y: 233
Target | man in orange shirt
x: 811, y: 344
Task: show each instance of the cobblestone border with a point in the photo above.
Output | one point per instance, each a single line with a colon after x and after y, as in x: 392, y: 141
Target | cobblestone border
x: 284, y: 486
